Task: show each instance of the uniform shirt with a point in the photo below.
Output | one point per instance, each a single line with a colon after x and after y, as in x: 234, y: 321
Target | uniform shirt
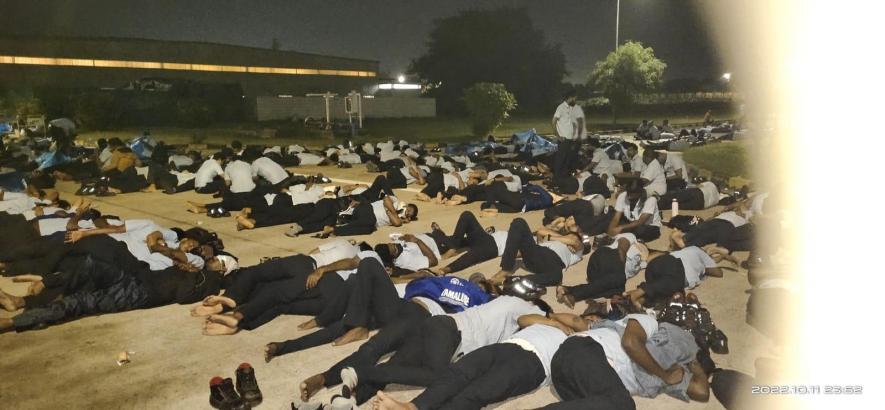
x: 301, y: 195
x: 756, y: 205
x: 183, y: 177
x: 599, y: 156
x: 266, y: 168
x: 567, y: 121
x: 104, y: 156
x: 239, y: 173
x: 344, y: 274
x: 381, y: 217
x: 650, y: 206
x: 609, y: 337
x: 562, y: 250
x: 673, y: 164
x: 137, y: 231
x: 711, y: 194
x: 500, y: 238
x: 512, y: 186
x: 542, y: 340
x: 207, y: 172
x: 636, y: 164
x: 732, y: 217
x: 492, y: 322
x: 334, y: 251
x: 385, y: 156
x: 695, y: 262
x: 654, y: 173
x: 633, y: 262
x: 181, y: 160
x: 307, y: 158
x: 408, y: 175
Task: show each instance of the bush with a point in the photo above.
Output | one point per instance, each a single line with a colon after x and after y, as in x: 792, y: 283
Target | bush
x: 194, y: 112
x: 725, y: 160
x: 488, y: 105
x: 98, y: 110
x: 28, y: 107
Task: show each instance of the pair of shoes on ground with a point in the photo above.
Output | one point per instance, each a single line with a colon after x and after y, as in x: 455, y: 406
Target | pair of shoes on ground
x: 224, y: 396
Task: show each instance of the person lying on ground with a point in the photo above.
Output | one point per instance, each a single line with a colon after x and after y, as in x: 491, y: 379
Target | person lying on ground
x: 546, y: 254
x: 530, y: 198
x: 481, y: 244
x: 672, y: 272
x: 608, y: 269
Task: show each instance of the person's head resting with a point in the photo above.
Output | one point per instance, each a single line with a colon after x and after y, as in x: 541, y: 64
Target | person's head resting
x: 478, y: 279
x: 102, y: 143
x: 631, y: 148
x: 224, y: 264
x: 479, y: 172
x: 186, y: 245
x: 114, y: 143
x: 570, y: 97
x: 410, y: 212
x: 648, y: 156
x: 388, y: 252
x: 594, y: 143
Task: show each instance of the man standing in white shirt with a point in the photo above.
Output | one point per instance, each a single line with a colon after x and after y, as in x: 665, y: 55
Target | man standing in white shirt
x: 675, y: 170
x: 568, y: 126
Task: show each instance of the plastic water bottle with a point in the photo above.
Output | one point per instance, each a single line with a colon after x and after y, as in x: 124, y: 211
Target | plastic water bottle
x: 674, y: 208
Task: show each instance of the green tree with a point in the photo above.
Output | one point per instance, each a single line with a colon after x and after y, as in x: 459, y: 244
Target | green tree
x: 630, y: 70
x: 501, y: 46
x: 26, y: 107
x: 98, y: 110
x: 488, y: 104
x: 194, y: 112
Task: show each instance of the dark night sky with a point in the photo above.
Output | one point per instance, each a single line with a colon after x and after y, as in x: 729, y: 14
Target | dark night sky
x: 391, y: 31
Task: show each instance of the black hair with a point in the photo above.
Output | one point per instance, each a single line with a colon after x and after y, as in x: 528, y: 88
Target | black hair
x: 628, y: 145
x: 569, y: 93
x: 102, y: 143
x: 64, y: 204
x: 383, y: 252
x: 236, y: 144
x: 594, y: 142
x: 220, y: 156
x: 115, y: 142
x: 91, y: 214
x: 364, y: 246
x: 415, y: 211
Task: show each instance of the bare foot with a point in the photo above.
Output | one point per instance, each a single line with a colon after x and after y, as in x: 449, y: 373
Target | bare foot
x: 206, y: 310
x: 311, y: 385
x: 226, y: 320
x: 218, y: 329
x: 310, y: 324
x: 385, y: 402
x: 563, y: 297
x: 352, y: 335
x: 150, y: 188
x: 490, y: 212
x: 244, y: 222
x: 7, y: 302
x: 270, y: 351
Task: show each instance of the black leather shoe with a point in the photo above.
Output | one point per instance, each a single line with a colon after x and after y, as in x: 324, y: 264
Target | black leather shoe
x: 223, y: 396
x: 247, y: 385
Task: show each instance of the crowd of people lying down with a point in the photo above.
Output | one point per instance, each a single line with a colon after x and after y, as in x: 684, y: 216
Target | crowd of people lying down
x: 471, y: 342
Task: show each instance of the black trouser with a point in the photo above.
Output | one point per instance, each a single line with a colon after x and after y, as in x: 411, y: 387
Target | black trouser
x: 362, y: 222
x: 474, y: 193
x: 380, y: 185
x: 711, y: 231
x: 605, y: 276
x: 566, y: 184
x: 595, y: 185
x: 470, y: 234
x: 675, y: 184
x: 127, y: 180
x: 435, y: 184
x: 396, y: 178
x: 127, y: 293
x: 487, y: 375
x: 691, y: 199
x: 567, y: 208
x: 584, y: 380
x: 664, y: 276
x: 594, y: 224
x: 236, y: 201
x: 388, y: 339
x: 541, y: 261
x: 645, y: 233
x: 566, y: 157
x: 502, y: 199
x: 263, y: 287
x: 418, y: 362
x: 212, y: 187
x: 324, y: 214
x: 281, y: 212
x: 161, y: 177
x: 28, y: 249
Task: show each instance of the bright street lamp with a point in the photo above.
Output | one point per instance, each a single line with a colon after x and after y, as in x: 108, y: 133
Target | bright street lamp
x: 401, y: 78
x: 726, y: 77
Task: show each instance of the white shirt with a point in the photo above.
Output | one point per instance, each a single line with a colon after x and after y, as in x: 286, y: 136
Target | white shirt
x: 650, y: 206
x: 695, y: 262
x: 306, y: 158
x: 301, y: 195
x: 711, y: 194
x: 675, y: 163
x: 633, y: 262
x: 567, y: 121
x: 732, y: 217
x: 239, y: 173
x: 512, y: 186
x: 181, y: 160
x: 500, y: 238
x: 268, y: 169
x: 492, y: 322
x: 385, y: 156
x: 408, y: 175
x: 610, y: 341
x: 334, y: 251
x: 636, y: 164
x: 137, y: 231
x: 562, y: 250
x: 344, y: 274
x: 207, y: 172
x: 411, y: 258
x: 544, y: 340
x: 654, y: 172
x: 104, y: 156
x: 381, y: 217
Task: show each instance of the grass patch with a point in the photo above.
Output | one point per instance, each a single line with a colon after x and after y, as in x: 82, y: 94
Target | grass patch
x: 725, y: 159
x: 427, y: 130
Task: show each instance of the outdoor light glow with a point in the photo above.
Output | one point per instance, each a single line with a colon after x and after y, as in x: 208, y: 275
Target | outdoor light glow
x: 399, y: 86
x: 401, y: 78
x: 726, y: 76
x: 157, y: 65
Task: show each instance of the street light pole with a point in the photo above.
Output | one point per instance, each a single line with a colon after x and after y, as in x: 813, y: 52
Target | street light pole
x: 617, y: 23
